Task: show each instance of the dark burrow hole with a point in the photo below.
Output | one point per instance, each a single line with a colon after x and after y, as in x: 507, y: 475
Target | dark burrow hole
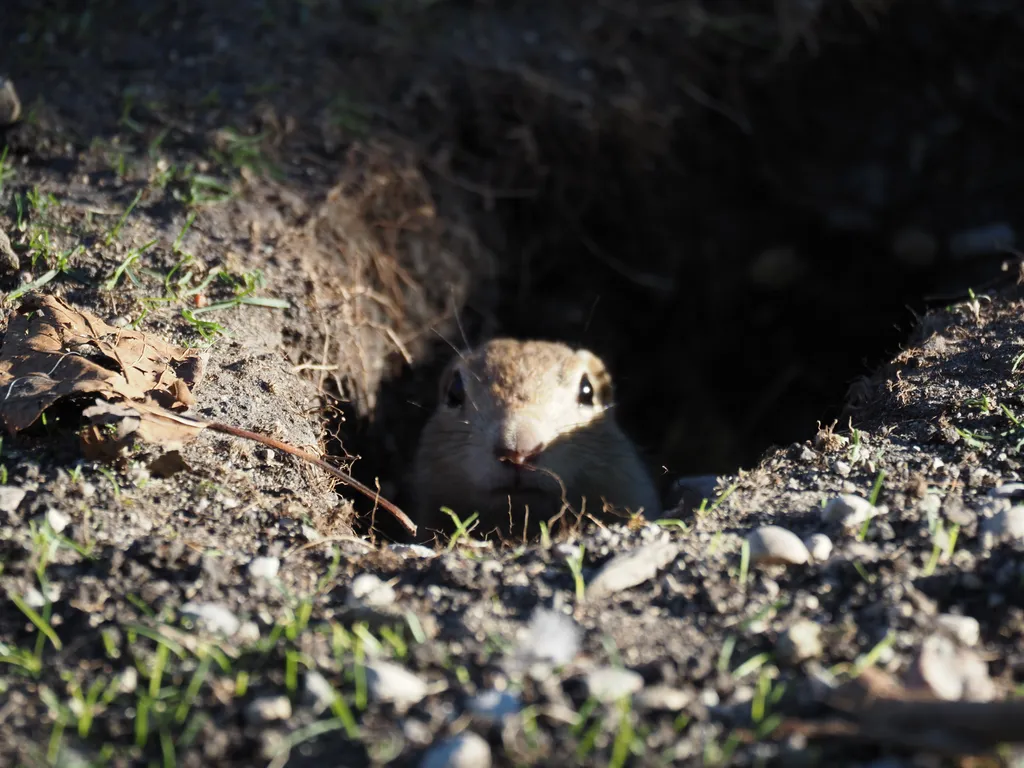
x: 735, y: 283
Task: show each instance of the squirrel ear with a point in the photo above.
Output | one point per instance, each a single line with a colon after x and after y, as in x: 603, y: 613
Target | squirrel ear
x: 600, y: 379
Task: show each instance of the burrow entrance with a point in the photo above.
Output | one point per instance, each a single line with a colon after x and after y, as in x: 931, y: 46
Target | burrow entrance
x: 739, y: 247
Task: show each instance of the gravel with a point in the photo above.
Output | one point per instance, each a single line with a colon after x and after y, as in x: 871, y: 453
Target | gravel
x: 774, y: 545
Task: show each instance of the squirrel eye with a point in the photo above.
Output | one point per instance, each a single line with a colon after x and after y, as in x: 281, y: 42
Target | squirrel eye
x: 456, y: 394
x: 586, y: 393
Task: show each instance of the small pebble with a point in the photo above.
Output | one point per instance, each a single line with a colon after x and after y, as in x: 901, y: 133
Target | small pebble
x: 820, y: 546
x: 34, y: 598
x: 367, y: 589
x: 609, y: 684
x: 10, y: 104
x: 966, y: 629
x: 266, y: 709
x: 663, y: 697
x: 393, y: 683
x: 129, y: 680
x: 774, y: 545
x: 317, y: 692
x: 629, y: 569
x: 10, y: 497
x: 800, y: 641
x: 951, y: 673
x: 417, y: 732
x: 414, y: 550
x: 249, y: 632
x: 1008, y: 523
x: 861, y: 551
x: 1008, y: 491
x: 58, y: 520
x: 264, y: 567
x: 9, y: 261
x: 551, y: 637
x: 494, y: 705
x: 848, y: 510
x: 213, y: 616
x: 467, y: 750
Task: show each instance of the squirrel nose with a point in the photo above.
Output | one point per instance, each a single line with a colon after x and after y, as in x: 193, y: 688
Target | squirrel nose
x: 519, y: 443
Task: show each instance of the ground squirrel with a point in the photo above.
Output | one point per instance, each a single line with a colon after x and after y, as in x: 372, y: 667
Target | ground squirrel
x: 516, y: 423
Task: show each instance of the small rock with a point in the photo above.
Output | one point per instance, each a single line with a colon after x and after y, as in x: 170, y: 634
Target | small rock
x: 10, y: 104
x: 273, y: 743
x: 964, y: 628
x: 629, y: 569
x: 249, y: 632
x: 215, y: 617
x: 951, y: 673
x: 264, y: 567
x: 820, y: 546
x: 1008, y: 490
x: 494, y: 705
x: 267, y: 709
x: 11, y: 497
x: 393, y: 683
x: 991, y: 238
x: 848, y: 510
x: 1007, y: 523
x: 609, y: 684
x: 9, y: 262
x: 551, y: 638
x: 800, y: 641
x: 842, y: 468
x: 774, y: 545
x: 317, y: 692
x: 58, y: 520
x: 417, y: 732
x: 367, y: 589
x: 34, y: 598
x: 129, y: 680
x: 663, y: 697
x: 467, y: 750
x: 414, y: 550
x: 861, y: 551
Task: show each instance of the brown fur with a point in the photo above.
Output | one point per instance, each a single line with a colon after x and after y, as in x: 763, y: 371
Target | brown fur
x: 522, y: 393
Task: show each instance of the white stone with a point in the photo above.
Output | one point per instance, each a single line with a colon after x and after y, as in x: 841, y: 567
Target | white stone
x: 772, y: 544
x: 11, y: 497
x: 390, y: 682
x: 630, y: 569
x: 609, y: 684
x: 264, y: 567
x: 820, y: 546
x: 58, y: 520
x: 467, y: 750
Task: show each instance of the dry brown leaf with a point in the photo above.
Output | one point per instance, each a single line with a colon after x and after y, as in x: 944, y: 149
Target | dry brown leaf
x: 52, y: 352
